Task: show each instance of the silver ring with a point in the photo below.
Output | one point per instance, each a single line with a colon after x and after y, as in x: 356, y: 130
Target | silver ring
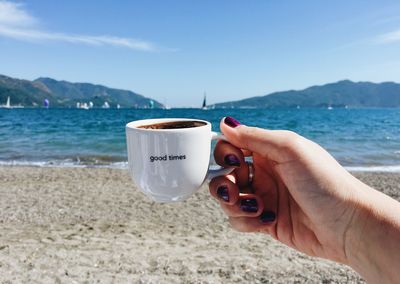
x: 251, y: 172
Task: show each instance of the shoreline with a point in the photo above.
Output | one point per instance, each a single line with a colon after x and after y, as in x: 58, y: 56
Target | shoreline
x: 123, y: 165
x: 89, y: 224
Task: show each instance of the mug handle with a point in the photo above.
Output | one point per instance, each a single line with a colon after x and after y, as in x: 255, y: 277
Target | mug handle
x: 212, y: 173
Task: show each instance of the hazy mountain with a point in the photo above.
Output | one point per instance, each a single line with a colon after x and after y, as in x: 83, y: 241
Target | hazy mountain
x: 23, y: 92
x: 67, y: 94
x: 339, y: 94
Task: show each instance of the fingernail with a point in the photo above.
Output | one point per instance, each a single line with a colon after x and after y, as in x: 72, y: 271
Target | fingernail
x: 249, y: 205
x: 267, y: 217
x: 223, y: 193
x: 232, y: 160
x: 230, y: 121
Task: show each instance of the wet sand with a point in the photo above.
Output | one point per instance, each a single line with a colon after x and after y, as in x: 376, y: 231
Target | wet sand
x: 72, y: 225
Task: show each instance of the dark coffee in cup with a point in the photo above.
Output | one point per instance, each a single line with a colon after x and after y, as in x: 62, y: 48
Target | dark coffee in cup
x: 174, y: 125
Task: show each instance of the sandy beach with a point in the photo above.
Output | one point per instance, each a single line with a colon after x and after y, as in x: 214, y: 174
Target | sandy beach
x: 82, y: 225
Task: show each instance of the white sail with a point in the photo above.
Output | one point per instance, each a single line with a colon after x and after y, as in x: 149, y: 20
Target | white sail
x: 7, y: 105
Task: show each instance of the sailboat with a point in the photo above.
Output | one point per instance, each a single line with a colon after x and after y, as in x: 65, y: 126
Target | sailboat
x: 204, y: 103
x: 8, y: 104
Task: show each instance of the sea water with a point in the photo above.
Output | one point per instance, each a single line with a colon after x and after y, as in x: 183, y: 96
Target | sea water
x: 361, y: 139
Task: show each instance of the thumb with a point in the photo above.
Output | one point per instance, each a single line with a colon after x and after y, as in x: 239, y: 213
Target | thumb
x: 272, y: 144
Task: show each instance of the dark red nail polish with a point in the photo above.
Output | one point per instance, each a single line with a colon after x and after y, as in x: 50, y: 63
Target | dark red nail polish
x: 232, y: 160
x: 230, y: 121
x: 249, y: 205
x: 223, y: 193
x: 267, y: 217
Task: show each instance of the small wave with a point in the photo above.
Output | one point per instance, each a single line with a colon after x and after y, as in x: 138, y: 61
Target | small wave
x: 63, y: 164
x: 387, y: 169
x: 124, y: 165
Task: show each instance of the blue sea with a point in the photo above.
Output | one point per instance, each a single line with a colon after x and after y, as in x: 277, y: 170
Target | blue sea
x: 361, y: 139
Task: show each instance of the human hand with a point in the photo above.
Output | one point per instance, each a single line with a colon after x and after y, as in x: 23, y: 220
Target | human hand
x: 299, y: 194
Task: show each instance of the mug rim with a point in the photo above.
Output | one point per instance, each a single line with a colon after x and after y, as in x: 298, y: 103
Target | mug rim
x: 134, y: 125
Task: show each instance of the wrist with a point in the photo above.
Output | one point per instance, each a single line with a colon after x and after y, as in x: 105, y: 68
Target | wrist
x: 373, y: 235
x: 355, y: 245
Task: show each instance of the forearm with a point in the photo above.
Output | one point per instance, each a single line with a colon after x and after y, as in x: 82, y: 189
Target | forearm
x: 373, y: 246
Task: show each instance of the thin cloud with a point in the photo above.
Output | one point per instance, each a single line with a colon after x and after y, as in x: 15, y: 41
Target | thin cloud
x: 36, y: 35
x: 388, y: 38
x: 17, y: 23
x: 13, y: 14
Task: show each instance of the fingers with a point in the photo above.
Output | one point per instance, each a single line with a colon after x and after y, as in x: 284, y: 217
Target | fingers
x: 264, y: 221
x: 233, y: 203
x: 247, y: 205
x: 255, y: 211
x: 227, y: 155
x: 224, y: 190
x: 275, y: 144
x: 248, y: 212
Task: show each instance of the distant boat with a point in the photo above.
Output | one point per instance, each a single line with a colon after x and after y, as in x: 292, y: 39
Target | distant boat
x: 204, y: 106
x: 8, y: 104
x: 82, y: 105
x: 46, y: 103
x: 118, y: 106
x: 330, y: 108
x: 106, y: 105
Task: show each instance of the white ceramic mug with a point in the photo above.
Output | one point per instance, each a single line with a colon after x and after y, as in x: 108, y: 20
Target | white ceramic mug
x: 169, y: 165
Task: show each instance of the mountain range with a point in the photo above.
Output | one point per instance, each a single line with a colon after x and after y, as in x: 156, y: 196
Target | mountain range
x: 340, y: 94
x: 343, y: 93
x: 66, y: 94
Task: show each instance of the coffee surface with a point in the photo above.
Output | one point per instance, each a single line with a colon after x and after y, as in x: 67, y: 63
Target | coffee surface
x: 174, y: 125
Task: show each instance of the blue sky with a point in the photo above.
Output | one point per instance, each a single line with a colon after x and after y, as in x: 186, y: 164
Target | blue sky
x: 173, y: 51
